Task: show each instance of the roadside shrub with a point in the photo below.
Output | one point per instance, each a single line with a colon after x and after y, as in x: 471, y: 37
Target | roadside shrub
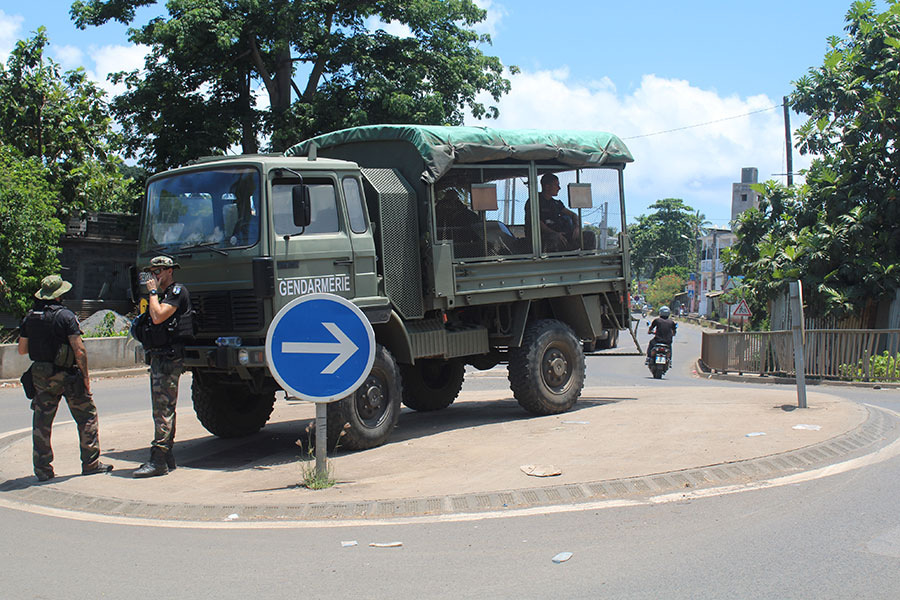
x: 882, y: 367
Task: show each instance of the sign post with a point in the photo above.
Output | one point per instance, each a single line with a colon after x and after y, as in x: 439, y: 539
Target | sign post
x: 796, y: 302
x: 319, y: 348
x: 742, y: 311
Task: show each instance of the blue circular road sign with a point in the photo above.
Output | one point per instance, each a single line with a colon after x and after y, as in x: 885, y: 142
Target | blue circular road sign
x: 320, y: 347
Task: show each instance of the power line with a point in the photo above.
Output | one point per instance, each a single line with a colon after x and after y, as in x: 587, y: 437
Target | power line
x: 633, y: 137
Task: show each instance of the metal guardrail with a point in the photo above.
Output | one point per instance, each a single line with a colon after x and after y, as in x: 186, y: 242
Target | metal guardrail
x: 843, y: 354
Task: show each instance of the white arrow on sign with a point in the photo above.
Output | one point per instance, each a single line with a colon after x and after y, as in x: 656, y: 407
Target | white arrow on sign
x: 343, y: 347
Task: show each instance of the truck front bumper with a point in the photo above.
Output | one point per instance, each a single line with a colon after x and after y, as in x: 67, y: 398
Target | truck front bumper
x: 225, y: 357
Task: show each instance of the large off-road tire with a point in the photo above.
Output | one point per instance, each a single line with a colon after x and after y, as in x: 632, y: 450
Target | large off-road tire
x: 372, y: 411
x: 546, y: 373
x: 432, y: 384
x: 230, y: 410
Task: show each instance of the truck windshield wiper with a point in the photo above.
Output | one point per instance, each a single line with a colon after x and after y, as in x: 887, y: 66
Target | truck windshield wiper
x: 204, y: 246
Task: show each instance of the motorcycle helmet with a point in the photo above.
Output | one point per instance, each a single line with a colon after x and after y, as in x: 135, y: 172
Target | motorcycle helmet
x: 664, y: 312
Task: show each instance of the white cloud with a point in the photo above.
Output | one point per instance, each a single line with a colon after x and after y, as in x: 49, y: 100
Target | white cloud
x: 495, y: 14
x: 69, y: 57
x: 395, y: 28
x: 697, y: 164
x: 112, y: 59
x: 9, y: 33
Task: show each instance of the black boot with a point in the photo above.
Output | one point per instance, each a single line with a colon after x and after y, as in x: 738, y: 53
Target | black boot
x: 170, y: 461
x: 155, y: 466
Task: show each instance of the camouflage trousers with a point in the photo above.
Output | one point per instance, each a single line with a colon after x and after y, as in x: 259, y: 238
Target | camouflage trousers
x: 164, y: 375
x: 50, y: 387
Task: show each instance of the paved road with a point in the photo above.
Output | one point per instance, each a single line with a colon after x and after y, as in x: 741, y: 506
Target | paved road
x: 833, y: 537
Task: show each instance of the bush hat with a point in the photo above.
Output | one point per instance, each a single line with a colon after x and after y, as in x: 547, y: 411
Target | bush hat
x: 52, y: 286
x: 165, y: 262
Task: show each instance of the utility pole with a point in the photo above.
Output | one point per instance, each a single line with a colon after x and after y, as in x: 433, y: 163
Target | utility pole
x: 715, y: 258
x: 787, y: 141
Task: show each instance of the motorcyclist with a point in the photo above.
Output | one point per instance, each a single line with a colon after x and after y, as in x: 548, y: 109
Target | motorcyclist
x: 663, y: 330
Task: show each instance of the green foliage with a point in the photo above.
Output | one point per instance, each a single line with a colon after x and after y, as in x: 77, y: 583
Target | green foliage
x: 29, y: 229
x: 61, y: 120
x: 882, y: 367
x: 666, y: 237
x: 663, y: 290
x: 679, y: 271
x: 196, y: 93
x: 839, y: 232
x: 310, y: 477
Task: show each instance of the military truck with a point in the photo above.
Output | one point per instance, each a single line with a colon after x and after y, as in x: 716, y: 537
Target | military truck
x: 430, y: 232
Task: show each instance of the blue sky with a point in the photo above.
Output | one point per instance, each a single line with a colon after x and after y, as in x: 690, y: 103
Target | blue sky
x: 632, y: 68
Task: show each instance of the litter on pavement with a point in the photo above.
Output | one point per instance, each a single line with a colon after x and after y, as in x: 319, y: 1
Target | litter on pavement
x: 385, y: 544
x: 755, y: 433
x: 562, y: 557
x: 806, y: 427
x: 541, y: 470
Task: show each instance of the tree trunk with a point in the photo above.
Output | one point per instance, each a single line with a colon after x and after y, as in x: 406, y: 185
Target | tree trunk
x: 280, y: 97
x: 249, y: 141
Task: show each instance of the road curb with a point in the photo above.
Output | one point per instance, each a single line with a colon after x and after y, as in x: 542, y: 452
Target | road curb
x: 98, y: 374
x: 704, y: 372
x: 880, y: 429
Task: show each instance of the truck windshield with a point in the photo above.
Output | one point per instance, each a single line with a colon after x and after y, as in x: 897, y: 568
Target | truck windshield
x: 215, y: 209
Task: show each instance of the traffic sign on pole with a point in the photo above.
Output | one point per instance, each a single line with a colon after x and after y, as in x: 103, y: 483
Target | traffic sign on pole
x: 320, y: 347
x: 742, y: 310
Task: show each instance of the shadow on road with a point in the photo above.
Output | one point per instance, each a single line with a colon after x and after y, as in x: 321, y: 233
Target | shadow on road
x: 277, y: 443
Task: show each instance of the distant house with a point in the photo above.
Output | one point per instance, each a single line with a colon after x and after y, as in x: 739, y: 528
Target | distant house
x: 712, y: 271
x: 97, y: 251
x: 712, y: 278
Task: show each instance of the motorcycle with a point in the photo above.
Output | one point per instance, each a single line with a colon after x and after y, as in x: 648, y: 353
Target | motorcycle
x: 660, y: 359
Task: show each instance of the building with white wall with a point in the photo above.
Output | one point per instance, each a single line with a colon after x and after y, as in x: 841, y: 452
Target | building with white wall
x: 712, y: 278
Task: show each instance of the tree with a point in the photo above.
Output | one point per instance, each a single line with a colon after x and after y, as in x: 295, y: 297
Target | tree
x: 62, y: 121
x: 196, y: 93
x: 663, y: 290
x: 666, y: 237
x: 839, y: 232
x: 29, y: 229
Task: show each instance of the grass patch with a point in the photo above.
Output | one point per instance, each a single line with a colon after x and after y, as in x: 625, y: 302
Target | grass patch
x: 310, y: 477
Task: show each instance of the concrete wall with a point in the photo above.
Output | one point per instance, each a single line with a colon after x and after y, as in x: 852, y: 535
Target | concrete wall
x: 103, y: 353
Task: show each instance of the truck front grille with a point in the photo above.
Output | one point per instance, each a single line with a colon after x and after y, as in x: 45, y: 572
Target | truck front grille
x: 227, y: 311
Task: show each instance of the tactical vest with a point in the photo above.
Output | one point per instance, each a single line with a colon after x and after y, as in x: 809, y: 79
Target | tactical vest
x: 43, y: 343
x: 177, y: 329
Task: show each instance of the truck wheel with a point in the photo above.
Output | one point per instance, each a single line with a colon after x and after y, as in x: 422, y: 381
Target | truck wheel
x: 546, y: 373
x: 372, y: 411
x: 230, y: 411
x: 431, y: 384
x: 611, y: 341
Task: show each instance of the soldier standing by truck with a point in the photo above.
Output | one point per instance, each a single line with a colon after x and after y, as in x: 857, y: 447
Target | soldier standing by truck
x: 51, y: 337
x: 165, y: 326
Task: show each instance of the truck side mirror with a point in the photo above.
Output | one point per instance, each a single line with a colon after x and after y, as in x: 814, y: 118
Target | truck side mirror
x: 301, y: 205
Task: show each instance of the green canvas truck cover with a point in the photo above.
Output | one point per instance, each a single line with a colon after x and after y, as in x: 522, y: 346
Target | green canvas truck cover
x: 442, y: 147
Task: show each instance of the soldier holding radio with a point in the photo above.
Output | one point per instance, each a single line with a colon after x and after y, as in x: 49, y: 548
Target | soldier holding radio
x: 162, y: 330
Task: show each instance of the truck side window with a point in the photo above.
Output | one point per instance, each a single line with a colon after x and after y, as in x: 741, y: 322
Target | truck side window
x: 323, y: 204
x: 355, y: 208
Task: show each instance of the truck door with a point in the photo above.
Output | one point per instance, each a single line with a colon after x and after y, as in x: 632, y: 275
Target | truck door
x: 365, y: 282
x: 320, y: 259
